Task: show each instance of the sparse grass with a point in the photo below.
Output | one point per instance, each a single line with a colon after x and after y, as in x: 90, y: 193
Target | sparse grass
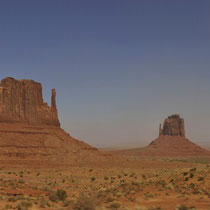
x: 112, y: 188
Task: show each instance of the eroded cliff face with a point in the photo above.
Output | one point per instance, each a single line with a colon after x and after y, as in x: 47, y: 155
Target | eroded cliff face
x: 21, y: 102
x: 173, y: 126
x: 30, y: 132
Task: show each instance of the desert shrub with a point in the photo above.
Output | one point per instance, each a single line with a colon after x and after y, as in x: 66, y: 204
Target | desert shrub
x: 11, y: 183
x: 155, y: 208
x: 21, y: 174
x: 24, y: 205
x: 143, y: 176
x: 44, y: 203
x: 195, y: 192
x: 85, y: 203
x: 68, y: 203
x: 200, y: 179
x: 162, y: 182
x: 12, y: 199
x: 183, y: 207
x: 35, y: 187
x: 92, y: 179
x: 185, y: 173
x: 109, y: 199
x: 191, y: 175
x: 53, y: 198
x: 20, y: 197
x: 8, y: 206
x: 149, y: 195
x: 115, y: 206
x: 21, y: 181
x: 45, y: 189
x: 122, y: 181
x: 192, y: 185
x: 59, y: 195
x: 193, y: 169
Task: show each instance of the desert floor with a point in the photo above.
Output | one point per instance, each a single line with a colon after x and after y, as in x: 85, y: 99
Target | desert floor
x: 139, y: 183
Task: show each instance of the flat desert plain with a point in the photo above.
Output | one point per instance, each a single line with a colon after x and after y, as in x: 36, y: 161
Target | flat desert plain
x: 126, y: 182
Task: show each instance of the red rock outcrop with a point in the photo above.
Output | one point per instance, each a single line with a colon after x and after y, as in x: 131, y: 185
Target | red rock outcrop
x: 171, y: 142
x: 30, y: 132
x: 173, y: 126
x: 21, y: 102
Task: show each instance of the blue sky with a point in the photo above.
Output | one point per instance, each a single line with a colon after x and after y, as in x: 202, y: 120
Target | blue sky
x: 119, y: 67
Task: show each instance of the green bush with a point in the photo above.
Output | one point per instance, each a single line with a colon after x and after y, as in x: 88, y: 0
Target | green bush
x: 59, y: 195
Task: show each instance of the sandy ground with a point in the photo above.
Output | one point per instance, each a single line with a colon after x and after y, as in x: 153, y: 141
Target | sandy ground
x: 132, y: 183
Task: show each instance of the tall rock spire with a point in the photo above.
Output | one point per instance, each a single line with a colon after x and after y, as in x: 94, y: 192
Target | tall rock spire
x: 160, y: 130
x: 53, y: 99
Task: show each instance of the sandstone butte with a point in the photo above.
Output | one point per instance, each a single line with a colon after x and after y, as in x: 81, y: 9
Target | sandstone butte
x: 30, y: 129
x: 171, y: 142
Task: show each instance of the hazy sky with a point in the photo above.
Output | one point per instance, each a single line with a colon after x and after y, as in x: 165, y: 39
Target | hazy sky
x: 119, y: 66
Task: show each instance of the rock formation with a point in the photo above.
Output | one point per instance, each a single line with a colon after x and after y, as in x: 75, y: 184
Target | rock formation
x: 173, y: 126
x: 171, y: 142
x: 21, y: 102
x: 30, y: 131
